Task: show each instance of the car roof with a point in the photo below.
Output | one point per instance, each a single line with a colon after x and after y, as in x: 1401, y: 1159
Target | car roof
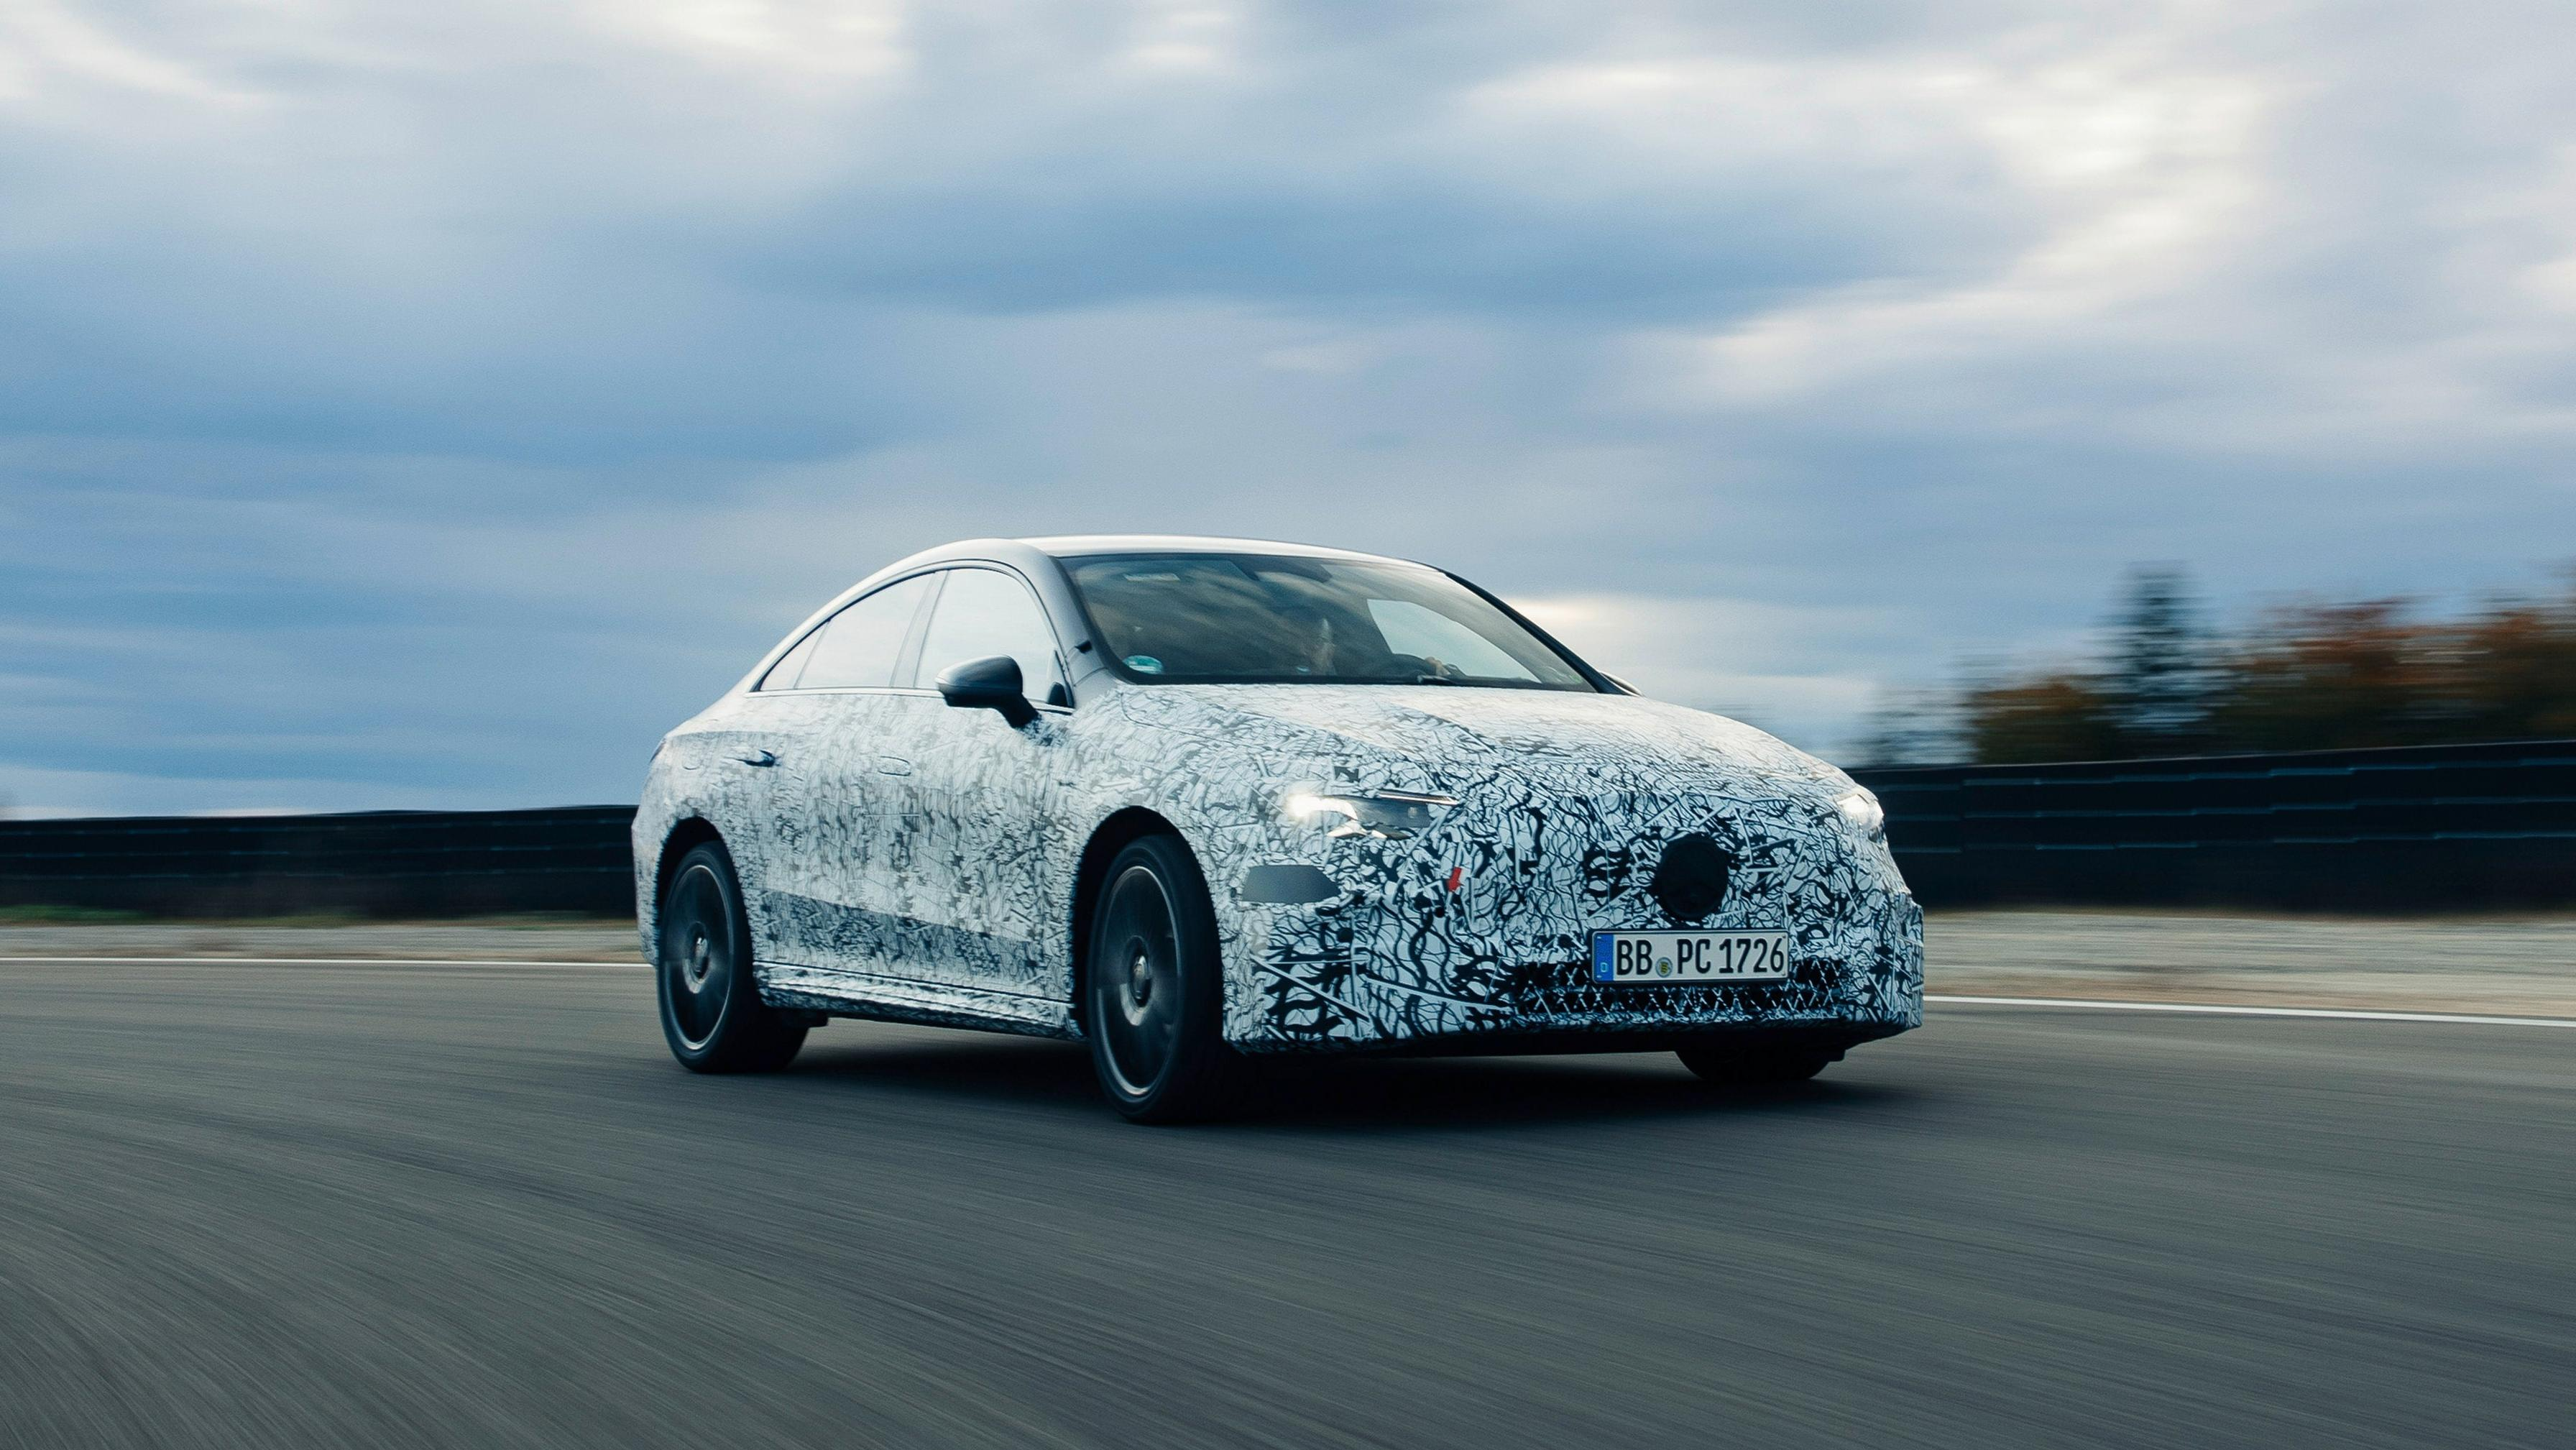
x: 1069, y: 546
x: 1029, y: 557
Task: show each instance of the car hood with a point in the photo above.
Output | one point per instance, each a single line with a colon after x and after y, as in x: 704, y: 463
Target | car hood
x: 1434, y: 736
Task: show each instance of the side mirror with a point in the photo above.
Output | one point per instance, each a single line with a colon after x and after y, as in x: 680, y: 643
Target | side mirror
x: 992, y: 683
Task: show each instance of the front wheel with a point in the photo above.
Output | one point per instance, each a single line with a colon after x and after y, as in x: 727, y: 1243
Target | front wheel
x: 1154, y: 990
x: 712, y: 1014
x: 1751, y: 1064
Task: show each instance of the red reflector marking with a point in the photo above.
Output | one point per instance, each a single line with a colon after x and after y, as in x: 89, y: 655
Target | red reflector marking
x: 1456, y: 875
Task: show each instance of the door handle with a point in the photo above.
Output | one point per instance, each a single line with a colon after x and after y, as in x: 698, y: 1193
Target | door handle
x: 764, y: 757
x: 893, y: 765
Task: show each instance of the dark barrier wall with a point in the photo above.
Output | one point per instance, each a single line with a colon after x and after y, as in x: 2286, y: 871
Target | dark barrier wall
x: 2435, y: 828
x: 380, y: 863
x: 2475, y: 827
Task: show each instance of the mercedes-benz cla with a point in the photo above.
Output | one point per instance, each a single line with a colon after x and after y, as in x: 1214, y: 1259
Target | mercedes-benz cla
x: 1200, y: 801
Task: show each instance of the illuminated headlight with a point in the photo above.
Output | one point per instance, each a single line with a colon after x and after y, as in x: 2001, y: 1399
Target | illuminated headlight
x: 1389, y: 815
x: 1862, y: 809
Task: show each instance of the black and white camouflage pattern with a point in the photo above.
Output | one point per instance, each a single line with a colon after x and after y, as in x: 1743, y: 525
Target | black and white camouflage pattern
x: 905, y: 860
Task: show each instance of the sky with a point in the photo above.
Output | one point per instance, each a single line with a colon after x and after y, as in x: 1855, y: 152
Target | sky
x: 429, y: 405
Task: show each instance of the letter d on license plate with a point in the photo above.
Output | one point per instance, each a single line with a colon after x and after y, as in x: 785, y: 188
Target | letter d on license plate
x: 1640, y: 958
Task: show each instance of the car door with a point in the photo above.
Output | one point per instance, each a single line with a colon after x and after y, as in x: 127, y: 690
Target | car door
x: 831, y: 809
x: 977, y: 849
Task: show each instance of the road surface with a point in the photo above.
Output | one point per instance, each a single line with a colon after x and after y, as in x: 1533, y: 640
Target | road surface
x: 296, y: 1205
x: 2507, y: 966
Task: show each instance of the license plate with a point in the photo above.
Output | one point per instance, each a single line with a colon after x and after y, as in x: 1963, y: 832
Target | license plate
x: 1638, y: 958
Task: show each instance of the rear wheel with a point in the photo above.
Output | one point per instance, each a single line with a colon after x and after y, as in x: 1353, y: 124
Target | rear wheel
x: 1749, y: 1064
x: 712, y: 1014
x: 1154, y: 990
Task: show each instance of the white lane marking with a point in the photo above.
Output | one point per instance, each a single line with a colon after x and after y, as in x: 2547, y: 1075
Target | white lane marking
x: 2223, y: 1010
x: 327, y: 961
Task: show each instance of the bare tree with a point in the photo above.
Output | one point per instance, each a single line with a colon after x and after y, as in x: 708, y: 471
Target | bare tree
x: 1912, y: 727
x: 2158, y: 689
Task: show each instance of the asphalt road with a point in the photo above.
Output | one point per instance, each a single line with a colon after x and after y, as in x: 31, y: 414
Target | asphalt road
x: 291, y: 1205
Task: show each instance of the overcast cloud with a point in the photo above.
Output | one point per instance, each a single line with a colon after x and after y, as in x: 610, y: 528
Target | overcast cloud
x: 413, y: 405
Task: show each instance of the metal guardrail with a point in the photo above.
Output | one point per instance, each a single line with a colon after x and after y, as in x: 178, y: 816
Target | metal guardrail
x: 376, y: 863
x: 2450, y: 827
x: 2468, y: 827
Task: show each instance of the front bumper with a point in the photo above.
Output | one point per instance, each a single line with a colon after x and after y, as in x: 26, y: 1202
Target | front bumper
x: 1437, y: 970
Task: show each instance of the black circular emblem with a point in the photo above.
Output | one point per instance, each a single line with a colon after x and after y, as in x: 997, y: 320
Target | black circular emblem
x: 1691, y: 880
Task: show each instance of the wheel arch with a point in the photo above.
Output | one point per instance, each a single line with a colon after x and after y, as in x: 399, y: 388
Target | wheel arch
x: 1107, y: 839
x: 685, y: 835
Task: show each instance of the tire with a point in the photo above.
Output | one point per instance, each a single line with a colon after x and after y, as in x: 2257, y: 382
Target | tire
x: 1751, y: 1064
x: 1153, y: 994
x: 712, y: 1014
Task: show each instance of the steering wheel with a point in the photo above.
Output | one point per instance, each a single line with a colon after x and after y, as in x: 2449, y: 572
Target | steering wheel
x: 1425, y: 669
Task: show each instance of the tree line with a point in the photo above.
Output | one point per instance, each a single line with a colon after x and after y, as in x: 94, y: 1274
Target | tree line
x: 2305, y: 676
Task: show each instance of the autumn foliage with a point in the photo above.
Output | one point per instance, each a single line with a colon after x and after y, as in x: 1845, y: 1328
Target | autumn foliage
x: 2312, y: 676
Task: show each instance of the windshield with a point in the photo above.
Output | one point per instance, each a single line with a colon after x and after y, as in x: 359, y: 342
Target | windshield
x: 1271, y: 618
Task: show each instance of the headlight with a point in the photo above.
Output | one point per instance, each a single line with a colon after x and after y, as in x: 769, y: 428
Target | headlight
x: 1389, y: 815
x: 1864, y: 812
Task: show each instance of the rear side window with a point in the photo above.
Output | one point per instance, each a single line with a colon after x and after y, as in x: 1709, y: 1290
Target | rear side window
x: 782, y: 675
x: 982, y: 613
x: 857, y: 648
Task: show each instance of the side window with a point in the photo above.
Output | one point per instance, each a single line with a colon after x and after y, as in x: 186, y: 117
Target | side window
x: 985, y: 612
x: 782, y: 675
x: 859, y: 646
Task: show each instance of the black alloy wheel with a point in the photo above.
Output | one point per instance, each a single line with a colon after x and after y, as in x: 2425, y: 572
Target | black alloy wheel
x: 712, y: 1014
x: 1753, y: 1064
x: 1154, y: 992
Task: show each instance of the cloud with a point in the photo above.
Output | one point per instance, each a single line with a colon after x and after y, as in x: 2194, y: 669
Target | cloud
x: 408, y: 403
x: 1802, y: 673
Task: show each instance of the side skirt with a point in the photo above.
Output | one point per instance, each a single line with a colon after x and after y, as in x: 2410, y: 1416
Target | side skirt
x: 893, y: 999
